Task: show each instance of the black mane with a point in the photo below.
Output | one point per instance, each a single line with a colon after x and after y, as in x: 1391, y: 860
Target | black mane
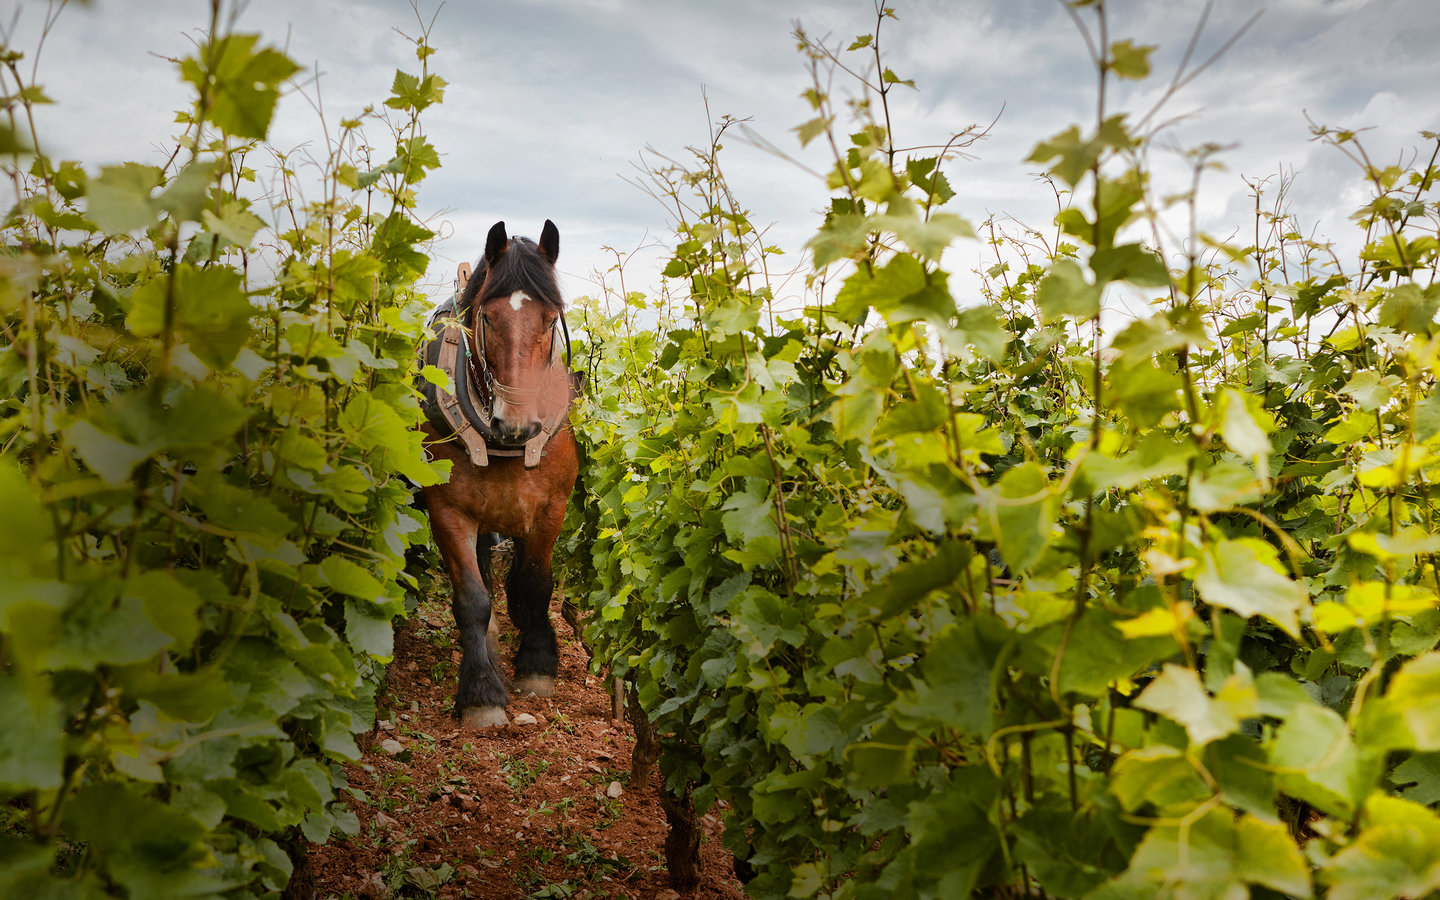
x: 522, y: 267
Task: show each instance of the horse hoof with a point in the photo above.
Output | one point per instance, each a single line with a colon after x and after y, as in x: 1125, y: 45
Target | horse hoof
x: 539, y: 685
x: 475, y: 718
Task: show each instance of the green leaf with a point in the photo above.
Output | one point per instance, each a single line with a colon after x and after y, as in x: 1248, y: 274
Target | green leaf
x: 1020, y: 515
x: 1316, y: 760
x: 1222, y: 485
x: 1245, y: 577
x: 118, y: 200
x: 1163, y: 775
x: 1133, y: 263
x: 30, y: 742
x: 1245, y: 423
x: 901, y: 290
x: 762, y: 620
x: 413, y: 93
x: 108, y: 456
x: 100, y: 629
x: 237, y: 509
x: 1076, y: 155
x: 210, y: 311
x: 1410, y: 309
x: 910, y: 582
x: 154, y: 851
x: 952, y: 689
x: 1396, y: 854
x: 1215, y: 857
x: 369, y: 633
x: 346, y: 577
x: 1065, y: 292
x: 235, y: 222
x: 1129, y: 61
x: 185, y: 195
x: 1178, y: 694
x: 238, y: 85
x: 1410, y: 694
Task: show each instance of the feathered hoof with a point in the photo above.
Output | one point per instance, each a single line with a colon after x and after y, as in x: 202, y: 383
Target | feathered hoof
x: 476, y: 718
x: 539, y: 685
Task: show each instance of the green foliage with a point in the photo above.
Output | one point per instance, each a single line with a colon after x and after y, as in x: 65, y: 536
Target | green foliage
x: 205, y: 531
x: 945, y: 599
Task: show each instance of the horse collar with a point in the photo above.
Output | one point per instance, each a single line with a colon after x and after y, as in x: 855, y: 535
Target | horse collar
x: 466, y: 411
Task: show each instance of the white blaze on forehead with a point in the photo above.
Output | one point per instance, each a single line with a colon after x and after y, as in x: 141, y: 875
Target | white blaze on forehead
x: 518, y: 299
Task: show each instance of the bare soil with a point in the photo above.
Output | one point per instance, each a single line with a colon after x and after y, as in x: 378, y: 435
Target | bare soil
x: 523, y: 811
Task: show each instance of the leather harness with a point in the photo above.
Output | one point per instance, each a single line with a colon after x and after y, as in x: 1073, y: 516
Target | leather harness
x: 464, y: 413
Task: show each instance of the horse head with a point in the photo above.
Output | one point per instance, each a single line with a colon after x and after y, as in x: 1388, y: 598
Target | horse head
x: 519, y: 340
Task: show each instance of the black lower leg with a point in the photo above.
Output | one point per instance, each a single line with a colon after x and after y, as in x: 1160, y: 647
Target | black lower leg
x: 480, y: 683
x: 528, y: 589
x: 485, y: 557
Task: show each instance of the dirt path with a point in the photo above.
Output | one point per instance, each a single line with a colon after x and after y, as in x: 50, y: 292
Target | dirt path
x: 538, y: 810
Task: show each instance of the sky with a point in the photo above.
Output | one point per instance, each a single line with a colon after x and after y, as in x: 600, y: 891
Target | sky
x: 552, y: 104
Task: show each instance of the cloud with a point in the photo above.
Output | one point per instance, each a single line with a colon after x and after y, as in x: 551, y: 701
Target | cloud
x: 551, y: 102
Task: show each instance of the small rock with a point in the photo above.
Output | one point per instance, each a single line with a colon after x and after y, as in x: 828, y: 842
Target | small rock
x: 667, y: 895
x: 564, y: 779
x: 372, y: 887
x: 614, y: 790
x: 414, y: 706
x: 525, y: 719
x: 460, y: 801
x: 386, y: 822
x: 386, y: 725
x: 404, y: 717
x: 490, y: 863
x: 392, y: 746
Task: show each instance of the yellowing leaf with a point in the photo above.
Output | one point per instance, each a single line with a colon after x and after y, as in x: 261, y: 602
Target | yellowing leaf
x: 1156, y: 622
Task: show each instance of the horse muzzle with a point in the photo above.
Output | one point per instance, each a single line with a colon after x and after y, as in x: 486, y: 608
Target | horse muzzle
x: 513, y: 426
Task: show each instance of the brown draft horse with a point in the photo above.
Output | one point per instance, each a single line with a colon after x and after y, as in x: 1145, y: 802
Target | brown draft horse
x: 513, y: 311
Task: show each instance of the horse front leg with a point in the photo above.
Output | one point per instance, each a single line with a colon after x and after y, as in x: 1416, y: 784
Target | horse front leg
x: 528, y: 588
x: 480, y: 695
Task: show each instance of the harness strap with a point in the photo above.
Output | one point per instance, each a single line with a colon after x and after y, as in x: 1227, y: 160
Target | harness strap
x: 468, y: 415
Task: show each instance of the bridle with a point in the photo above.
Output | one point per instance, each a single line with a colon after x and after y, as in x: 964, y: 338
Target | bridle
x: 479, y: 365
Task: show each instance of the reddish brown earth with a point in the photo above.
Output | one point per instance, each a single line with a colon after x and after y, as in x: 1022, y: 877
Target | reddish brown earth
x: 514, y: 812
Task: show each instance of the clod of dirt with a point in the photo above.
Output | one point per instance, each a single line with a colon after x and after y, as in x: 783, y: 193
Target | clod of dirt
x: 392, y: 746
x: 385, y: 822
x: 614, y: 790
x: 525, y: 719
x: 372, y: 887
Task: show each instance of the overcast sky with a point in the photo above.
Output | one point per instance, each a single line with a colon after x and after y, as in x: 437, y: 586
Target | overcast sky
x: 551, y: 102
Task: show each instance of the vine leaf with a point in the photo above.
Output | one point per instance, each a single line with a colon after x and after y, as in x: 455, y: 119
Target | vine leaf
x: 1244, y: 577
x: 1178, y: 694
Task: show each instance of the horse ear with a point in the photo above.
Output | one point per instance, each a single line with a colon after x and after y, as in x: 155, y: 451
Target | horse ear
x: 495, y: 243
x: 550, y: 241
